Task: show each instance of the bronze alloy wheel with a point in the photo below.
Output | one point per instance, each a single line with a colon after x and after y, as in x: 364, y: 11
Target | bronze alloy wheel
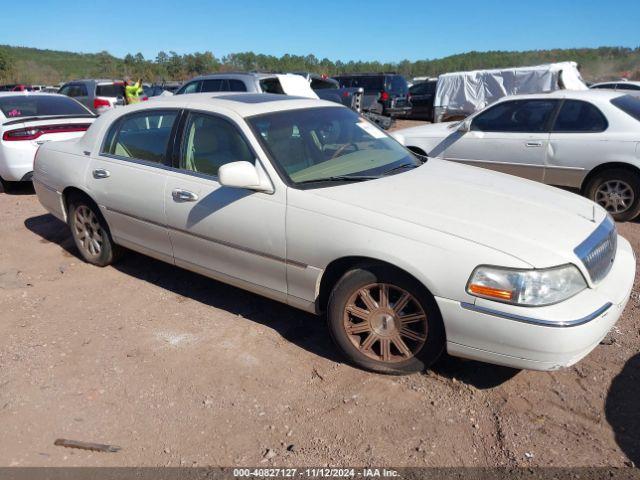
x: 385, y: 322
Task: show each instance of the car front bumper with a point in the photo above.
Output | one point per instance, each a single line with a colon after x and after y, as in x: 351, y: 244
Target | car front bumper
x: 540, y: 338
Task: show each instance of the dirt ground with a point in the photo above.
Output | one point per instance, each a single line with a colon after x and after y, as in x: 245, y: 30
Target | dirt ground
x: 178, y: 370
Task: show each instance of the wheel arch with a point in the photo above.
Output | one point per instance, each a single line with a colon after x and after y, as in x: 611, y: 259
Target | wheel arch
x: 70, y: 192
x: 603, y: 167
x: 338, y: 267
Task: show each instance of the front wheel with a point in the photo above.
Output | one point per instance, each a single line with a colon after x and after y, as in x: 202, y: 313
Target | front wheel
x: 384, y: 321
x: 90, y: 233
x: 618, y: 191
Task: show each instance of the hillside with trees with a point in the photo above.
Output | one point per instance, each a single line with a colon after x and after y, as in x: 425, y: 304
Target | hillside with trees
x: 37, y: 66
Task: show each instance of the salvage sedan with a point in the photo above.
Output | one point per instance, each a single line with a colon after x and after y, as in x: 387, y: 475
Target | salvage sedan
x: 27, y: 120
x: 305, y: 202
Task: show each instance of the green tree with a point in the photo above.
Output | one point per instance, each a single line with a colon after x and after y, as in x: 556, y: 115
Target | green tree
x: 5, y: 65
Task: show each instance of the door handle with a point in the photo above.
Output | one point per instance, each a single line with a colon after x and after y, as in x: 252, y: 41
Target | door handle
x: 533, y: 144
x: 180, y: 195
x: 101, y: 173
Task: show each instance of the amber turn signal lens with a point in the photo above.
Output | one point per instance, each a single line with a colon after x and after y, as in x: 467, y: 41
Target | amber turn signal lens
x: 491, y: 292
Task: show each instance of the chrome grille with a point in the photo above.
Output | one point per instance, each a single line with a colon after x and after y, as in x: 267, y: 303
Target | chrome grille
x: 598, y: 251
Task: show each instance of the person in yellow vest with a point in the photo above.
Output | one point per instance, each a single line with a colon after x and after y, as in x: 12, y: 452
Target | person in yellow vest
x: 133, y: 91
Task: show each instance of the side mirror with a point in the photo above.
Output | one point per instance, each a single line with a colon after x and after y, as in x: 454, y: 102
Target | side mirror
x: 464, y: 126
x: 243, y: 175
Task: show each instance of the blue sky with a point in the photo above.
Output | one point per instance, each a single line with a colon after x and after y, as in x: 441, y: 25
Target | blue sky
x: 339, y: 30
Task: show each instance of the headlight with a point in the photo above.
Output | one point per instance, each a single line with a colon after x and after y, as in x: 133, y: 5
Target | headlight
x: 526, y: 287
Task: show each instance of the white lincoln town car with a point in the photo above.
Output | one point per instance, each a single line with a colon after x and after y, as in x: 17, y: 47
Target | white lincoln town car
x: 305, y: 202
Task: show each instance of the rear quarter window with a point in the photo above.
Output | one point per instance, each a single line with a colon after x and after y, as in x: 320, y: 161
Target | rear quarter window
x: 629, y: 105
x: 110, y: 90
x: 74, y: 90
x: 271, y: 85
x: 237, y: 85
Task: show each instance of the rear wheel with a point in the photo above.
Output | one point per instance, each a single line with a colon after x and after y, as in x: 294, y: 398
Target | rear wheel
x: 618, y: 191
x: 90, y: 233
x: 384, y: 321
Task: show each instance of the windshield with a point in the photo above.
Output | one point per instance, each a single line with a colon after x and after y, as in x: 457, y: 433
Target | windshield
x: 316, y: 144
x: 40, y: 105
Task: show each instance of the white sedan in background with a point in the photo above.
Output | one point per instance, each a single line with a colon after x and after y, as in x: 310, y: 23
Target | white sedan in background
x: 27, y: 120
x: 305, y: 202
x: 587, y: 140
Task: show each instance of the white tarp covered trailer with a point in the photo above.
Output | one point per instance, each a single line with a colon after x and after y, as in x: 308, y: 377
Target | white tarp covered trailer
x: 460, y: 94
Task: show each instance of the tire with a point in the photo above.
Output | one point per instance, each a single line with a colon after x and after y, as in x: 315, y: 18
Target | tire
x: 625, y: 184
x: 372, y: 340
x: 91, y: 233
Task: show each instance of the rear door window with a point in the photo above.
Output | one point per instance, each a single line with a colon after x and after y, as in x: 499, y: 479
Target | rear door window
x: 142, y: 136
x: 213, y: 85
x: 192, y: 87
x: 576, y: 116
x: 531, y: 116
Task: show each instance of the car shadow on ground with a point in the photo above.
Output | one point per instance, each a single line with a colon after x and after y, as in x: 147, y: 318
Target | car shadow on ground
x: 622, y: 408
x: 300, y: 328
x: 480, y: 375
x: 20, y: 188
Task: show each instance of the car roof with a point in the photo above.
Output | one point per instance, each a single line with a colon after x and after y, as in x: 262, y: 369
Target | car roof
x: 630, y: 82
x: 381, y: 74
x: 30, y: 94
x: 232, y: 74
x: 96, y: 80
x: 241, y: 103
x: 603, y: 95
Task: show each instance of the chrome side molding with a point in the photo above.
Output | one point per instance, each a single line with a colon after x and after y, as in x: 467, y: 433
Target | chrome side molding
x: 537, y: 321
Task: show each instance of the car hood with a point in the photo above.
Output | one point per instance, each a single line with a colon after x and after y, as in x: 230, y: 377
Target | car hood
x: 537, y: 224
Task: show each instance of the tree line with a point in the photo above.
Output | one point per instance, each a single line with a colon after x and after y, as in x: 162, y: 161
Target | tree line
x: 28, y: 65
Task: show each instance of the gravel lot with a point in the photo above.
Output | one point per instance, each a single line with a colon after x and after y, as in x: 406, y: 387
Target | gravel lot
x: 178, y: 369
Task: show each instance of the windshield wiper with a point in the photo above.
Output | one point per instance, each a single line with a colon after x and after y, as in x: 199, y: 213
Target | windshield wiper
x: 341, y: 178
x: 400, y: 167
